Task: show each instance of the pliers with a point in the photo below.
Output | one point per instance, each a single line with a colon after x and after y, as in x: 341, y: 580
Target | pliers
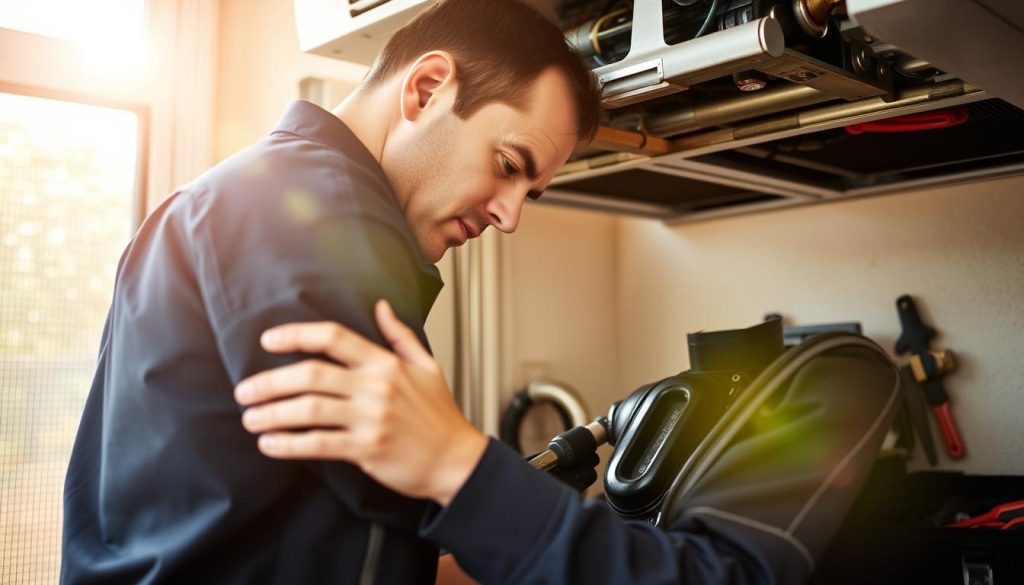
x: 1007, y: 516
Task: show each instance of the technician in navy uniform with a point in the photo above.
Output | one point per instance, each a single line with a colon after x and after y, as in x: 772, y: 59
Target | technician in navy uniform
x: 470, y: 109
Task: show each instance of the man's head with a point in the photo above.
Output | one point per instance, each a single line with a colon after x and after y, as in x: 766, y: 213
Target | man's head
x: 490, y: 103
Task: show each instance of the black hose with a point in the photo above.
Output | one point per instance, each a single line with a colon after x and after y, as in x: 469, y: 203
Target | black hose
x: 513, y: 417
x: 712, y: 13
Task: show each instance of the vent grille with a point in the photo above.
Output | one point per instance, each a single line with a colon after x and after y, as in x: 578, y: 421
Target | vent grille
x: 678, y: 194
x: 357, y: 7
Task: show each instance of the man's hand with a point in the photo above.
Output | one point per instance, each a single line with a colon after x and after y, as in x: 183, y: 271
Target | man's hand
x: 389, y: 413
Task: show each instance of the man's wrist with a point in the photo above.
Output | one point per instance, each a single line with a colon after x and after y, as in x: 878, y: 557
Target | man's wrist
x: 456, y: 465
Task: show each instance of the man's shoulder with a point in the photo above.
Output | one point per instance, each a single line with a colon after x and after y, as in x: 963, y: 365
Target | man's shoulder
x: 289, y: 177
x: 284, y: 164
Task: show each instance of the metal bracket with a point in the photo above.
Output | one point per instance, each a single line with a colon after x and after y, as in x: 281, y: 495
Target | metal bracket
x: 636, y: 83
x: 977, y: 569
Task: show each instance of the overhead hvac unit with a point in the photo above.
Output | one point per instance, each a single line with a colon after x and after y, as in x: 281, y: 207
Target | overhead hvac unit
x: 716, y: 107
x: 351, y: 30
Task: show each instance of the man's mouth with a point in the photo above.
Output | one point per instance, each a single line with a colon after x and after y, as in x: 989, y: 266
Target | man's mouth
x: 467, y: 230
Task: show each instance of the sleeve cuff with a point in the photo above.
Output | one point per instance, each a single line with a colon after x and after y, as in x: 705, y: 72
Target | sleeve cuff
x: 501, y: 517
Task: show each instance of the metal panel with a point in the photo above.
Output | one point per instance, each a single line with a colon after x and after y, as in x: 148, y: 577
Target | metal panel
x: 982, y: 43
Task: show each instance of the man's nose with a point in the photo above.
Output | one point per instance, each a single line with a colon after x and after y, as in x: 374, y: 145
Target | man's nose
x: 505, y: 208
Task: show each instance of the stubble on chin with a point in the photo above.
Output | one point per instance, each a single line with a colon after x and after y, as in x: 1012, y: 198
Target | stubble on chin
x: 417, y: 171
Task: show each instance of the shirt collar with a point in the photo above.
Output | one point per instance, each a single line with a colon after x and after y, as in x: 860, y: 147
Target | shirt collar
x: 309, y: 120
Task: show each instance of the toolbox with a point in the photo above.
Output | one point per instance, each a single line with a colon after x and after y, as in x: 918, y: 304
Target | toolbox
x: 898, y: 531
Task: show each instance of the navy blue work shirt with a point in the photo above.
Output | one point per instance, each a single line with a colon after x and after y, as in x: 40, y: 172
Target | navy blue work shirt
x: 164, y: 483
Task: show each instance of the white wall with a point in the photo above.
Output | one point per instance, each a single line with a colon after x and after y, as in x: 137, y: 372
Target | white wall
x: 259, y: 69
x: 561, y: 309
x: 958, y: 250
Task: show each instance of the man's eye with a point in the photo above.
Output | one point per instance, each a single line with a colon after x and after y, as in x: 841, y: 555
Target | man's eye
x: 509, y: 168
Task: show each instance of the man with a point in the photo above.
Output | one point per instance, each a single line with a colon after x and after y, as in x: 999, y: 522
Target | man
x: 470, y: 109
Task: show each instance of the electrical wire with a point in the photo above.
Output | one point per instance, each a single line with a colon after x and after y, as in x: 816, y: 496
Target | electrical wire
x: 712, y: 13
x: 595, y: 41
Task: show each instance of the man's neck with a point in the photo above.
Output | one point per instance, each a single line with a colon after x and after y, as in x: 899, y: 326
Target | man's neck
x: 365, y: 117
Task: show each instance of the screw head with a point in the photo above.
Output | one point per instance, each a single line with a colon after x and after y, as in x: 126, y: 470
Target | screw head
x: 751, y: 84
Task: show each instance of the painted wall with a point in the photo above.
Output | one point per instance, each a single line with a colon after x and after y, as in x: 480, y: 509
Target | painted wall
x: 259, y: 70
x: 958, y: 250
x: 561, y: 305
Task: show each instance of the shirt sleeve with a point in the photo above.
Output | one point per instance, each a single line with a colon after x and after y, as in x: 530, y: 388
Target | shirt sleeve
x: 301, y: 257
x: 513, y: 524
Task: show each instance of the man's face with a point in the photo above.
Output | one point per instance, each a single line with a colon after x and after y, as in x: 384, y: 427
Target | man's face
x: 455, y: 177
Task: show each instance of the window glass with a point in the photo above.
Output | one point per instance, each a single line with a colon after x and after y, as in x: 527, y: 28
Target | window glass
x: 67, y: 190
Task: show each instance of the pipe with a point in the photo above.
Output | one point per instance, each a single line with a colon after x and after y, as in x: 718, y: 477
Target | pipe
x: 825, y: 114
x: 912, y: 66
x: 742, y: 106
x: 619, y: 140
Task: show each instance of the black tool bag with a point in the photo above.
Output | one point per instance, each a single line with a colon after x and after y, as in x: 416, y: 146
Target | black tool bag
x: 899, y: 531
x: 777, y: 474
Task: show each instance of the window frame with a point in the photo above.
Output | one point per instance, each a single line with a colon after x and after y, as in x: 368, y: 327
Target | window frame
x: 142, y: 111
x: 174, y: 136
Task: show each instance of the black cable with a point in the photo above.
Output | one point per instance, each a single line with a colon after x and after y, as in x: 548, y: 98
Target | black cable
x: 712, y: 13
x: 514, y: 414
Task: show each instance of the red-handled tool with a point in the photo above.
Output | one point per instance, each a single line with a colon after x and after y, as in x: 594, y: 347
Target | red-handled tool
x: 954, y: 445
x: 914, y: 122
x: 1007, y: 516
x: 928, y: 367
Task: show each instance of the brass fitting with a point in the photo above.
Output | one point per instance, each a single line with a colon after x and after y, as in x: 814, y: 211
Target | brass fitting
x: 931, y: 365
x: 812, y: 15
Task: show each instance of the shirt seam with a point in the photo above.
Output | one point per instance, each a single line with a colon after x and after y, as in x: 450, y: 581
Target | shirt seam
x: 767, y: 528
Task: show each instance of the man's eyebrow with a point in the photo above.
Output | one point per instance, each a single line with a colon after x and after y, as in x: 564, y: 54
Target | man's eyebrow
x: 528, y: 159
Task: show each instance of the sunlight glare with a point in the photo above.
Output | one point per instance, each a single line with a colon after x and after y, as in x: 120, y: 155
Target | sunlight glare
x: 109, y: 32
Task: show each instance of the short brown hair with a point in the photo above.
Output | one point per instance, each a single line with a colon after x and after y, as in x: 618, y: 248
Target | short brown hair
x: 499, y: 47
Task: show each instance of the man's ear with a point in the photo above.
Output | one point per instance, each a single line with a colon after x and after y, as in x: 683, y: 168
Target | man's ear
x: 427, y: 76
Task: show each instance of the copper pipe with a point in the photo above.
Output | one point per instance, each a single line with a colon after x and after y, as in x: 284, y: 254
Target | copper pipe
x: 625, y: 141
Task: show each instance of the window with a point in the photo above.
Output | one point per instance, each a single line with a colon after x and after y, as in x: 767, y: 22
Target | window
x: 68, y: 189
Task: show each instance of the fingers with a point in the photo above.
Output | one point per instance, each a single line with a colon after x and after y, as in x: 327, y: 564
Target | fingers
x: 319, y: 444
x: 308, y: 410
x: 400, y: 336
x: 306, y: 376
x: 333, y: 339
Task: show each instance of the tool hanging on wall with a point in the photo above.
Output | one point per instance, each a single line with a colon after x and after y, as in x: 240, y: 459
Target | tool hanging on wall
x: 564, y: 399
x: 927, y: 367
x: 917, y: 413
